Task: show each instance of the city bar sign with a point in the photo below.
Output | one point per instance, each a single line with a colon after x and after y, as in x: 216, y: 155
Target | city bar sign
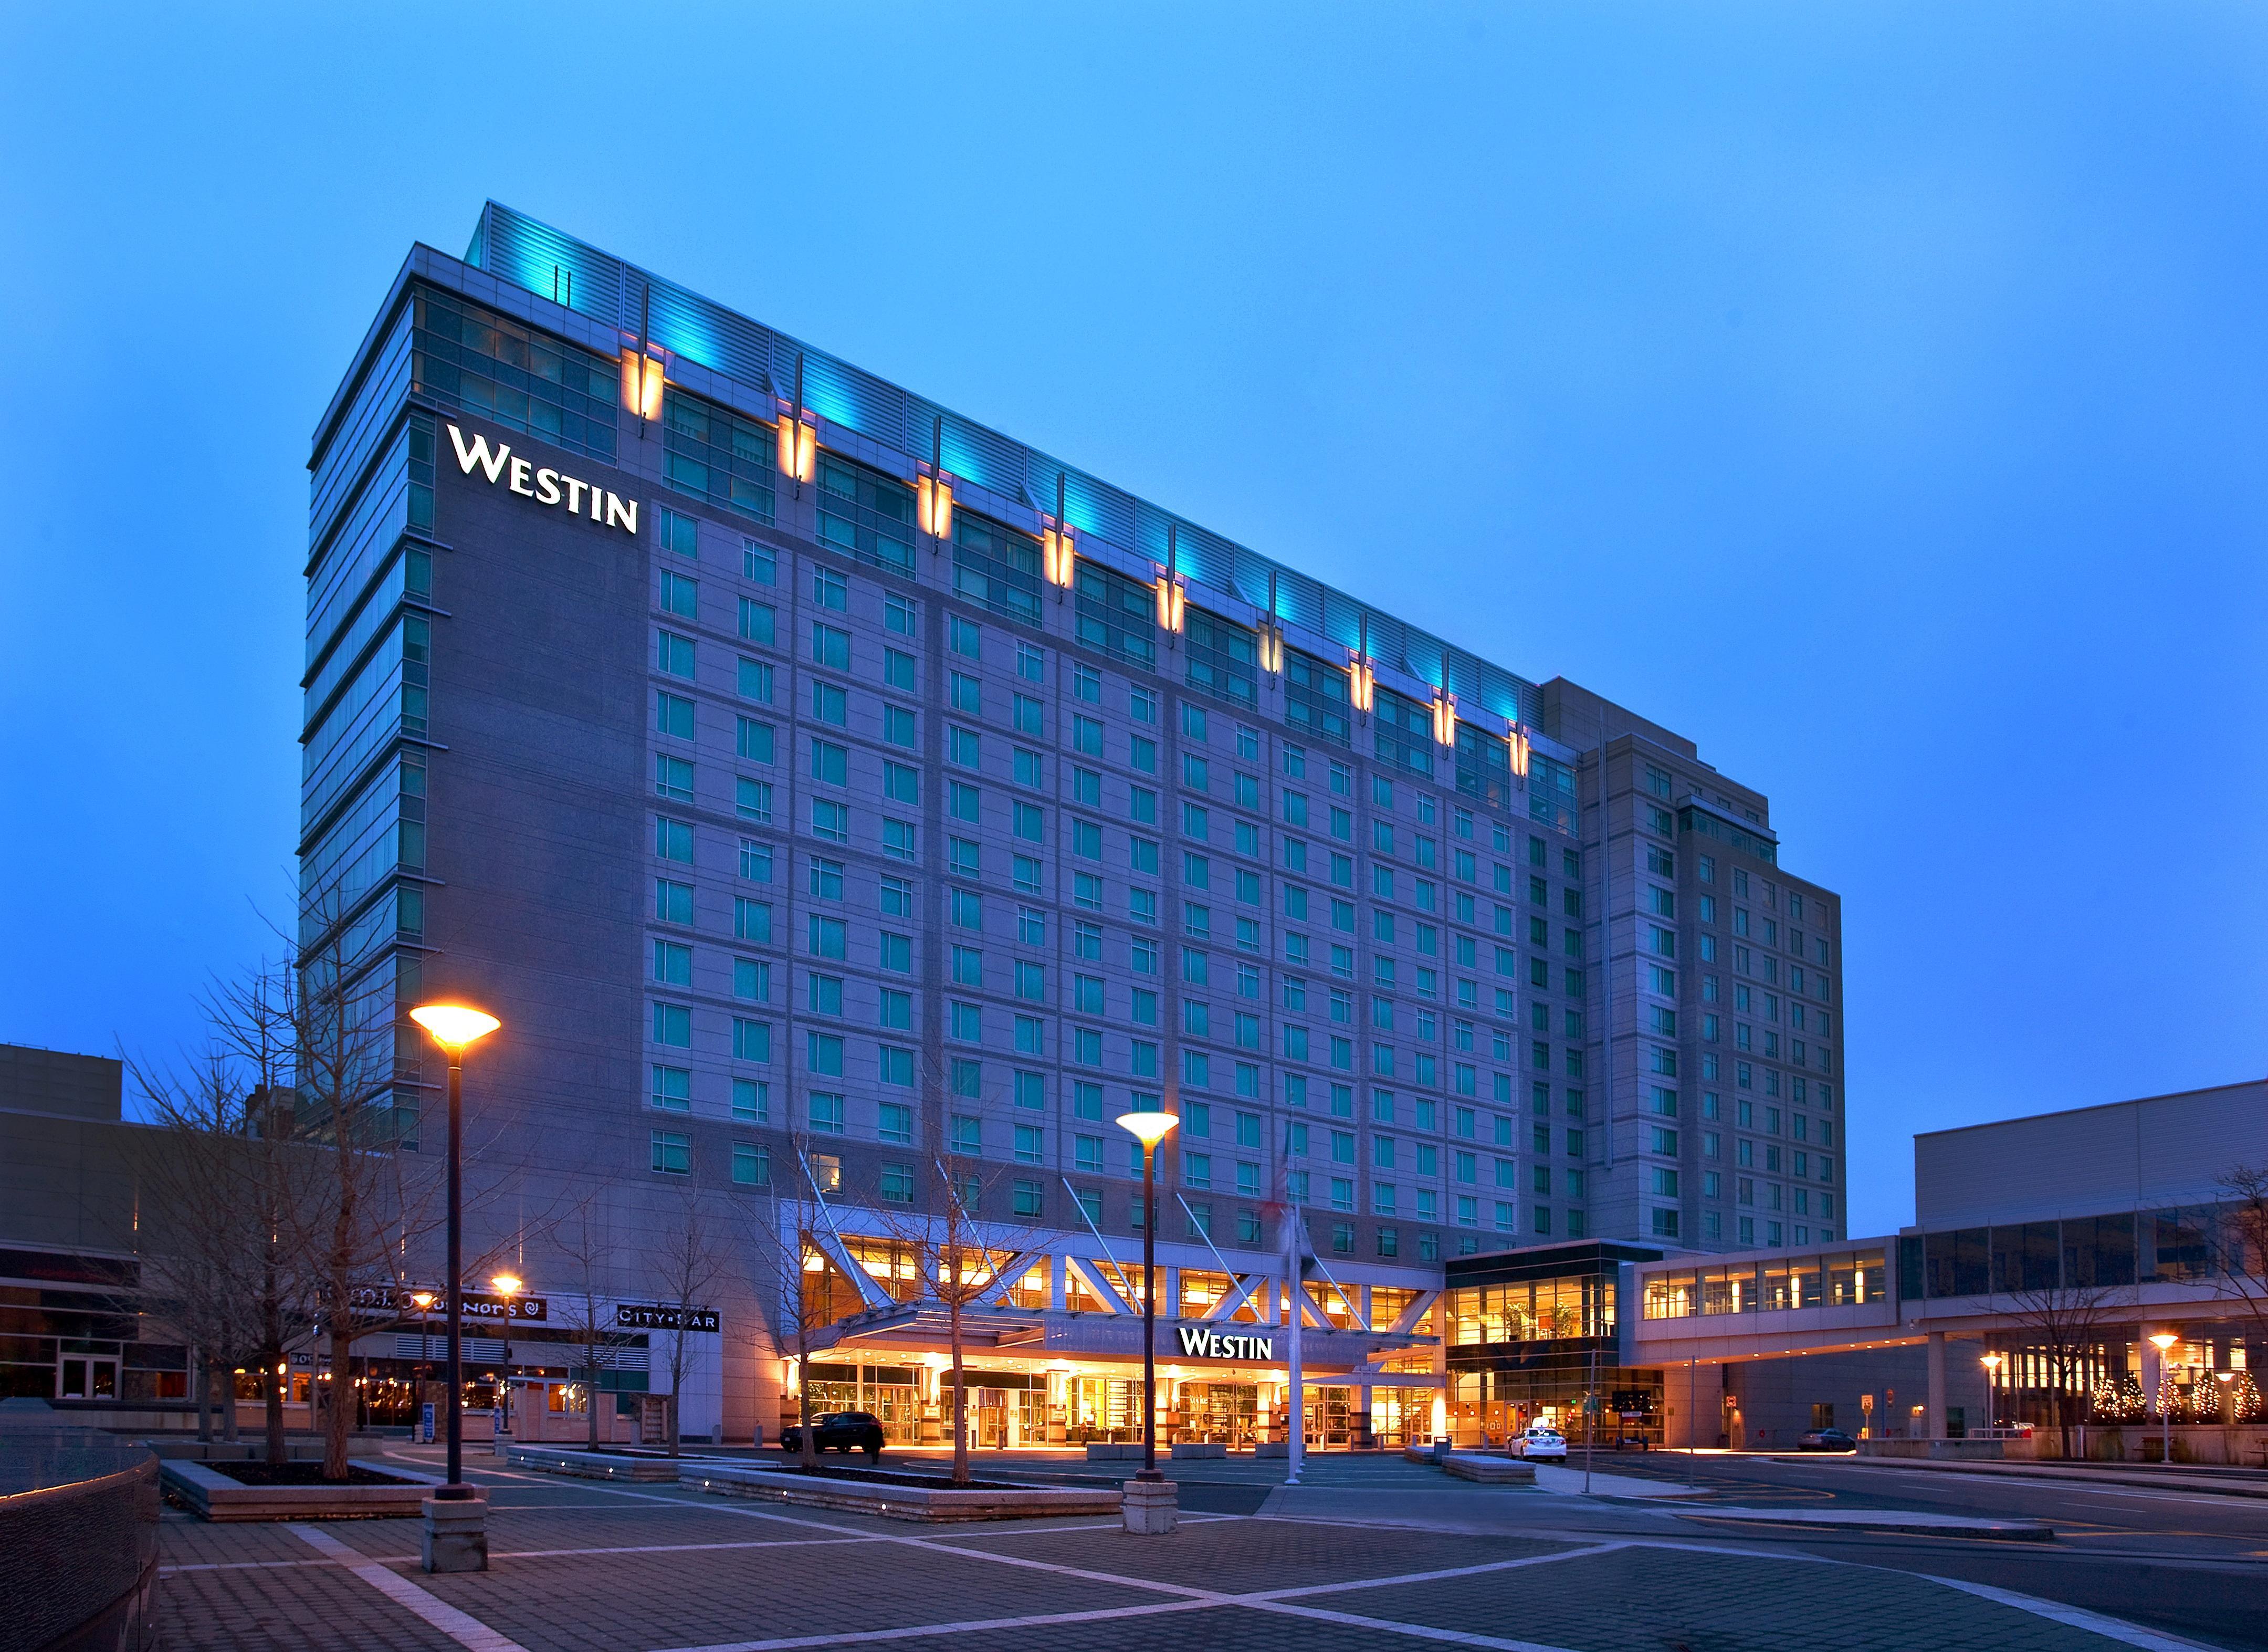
x: 666, y: 1316
x: 545, y: 486
x: 1200, y: 1344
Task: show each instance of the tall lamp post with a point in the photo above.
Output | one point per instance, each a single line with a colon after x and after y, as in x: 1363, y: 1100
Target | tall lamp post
x: 1149, y: 1502
x: 455, y: 1027
x: 1992, y: 1364
x: 507, y: 1286
x: 2163, y: 1342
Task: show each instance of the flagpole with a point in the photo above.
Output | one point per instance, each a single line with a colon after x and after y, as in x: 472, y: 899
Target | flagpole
x: 1295, y: 1283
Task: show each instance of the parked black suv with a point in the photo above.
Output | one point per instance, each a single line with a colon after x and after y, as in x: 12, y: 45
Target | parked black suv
x: 844, y: 1431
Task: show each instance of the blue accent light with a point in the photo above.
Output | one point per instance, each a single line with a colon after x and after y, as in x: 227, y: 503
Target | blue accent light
x: 542, y: 260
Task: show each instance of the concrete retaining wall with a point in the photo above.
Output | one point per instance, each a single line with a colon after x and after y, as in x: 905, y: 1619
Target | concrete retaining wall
x: 215, y: 1496
x: 902, y: 1502
x: 595, y: 1465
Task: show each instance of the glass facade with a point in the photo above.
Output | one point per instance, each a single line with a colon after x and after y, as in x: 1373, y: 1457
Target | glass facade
x: 1841, y: 1278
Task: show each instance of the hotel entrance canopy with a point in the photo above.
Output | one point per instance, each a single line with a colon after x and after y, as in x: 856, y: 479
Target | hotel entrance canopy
x: 1115, y: 1339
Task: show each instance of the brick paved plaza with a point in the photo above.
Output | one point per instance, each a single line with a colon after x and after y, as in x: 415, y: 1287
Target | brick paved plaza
x: 579, y: 1566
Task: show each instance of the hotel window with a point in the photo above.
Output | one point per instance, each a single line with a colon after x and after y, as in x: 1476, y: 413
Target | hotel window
x: 751, y: 1164
x: 996, y: 567
x: 830, y: 646
x: 866, y: 514
x: 717, y: 455
x: 672, y: 1088
x: 752, y: 1101
x: 673, y: 1154
x: 1224, y: 658
x: 752, y: 1041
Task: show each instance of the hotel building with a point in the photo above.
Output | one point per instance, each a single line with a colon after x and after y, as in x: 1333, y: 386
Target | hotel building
x: 841, y: 802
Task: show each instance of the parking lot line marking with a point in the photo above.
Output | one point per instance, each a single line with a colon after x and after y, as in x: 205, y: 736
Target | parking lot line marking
x: 462, y: 1628
x: 1430, y: 1577
x: 1392, y: 1625
x: 2073, y: 1616
x: 916, y: 1632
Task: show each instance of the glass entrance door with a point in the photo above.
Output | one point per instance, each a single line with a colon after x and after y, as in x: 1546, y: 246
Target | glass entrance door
x: 1330, y: 1412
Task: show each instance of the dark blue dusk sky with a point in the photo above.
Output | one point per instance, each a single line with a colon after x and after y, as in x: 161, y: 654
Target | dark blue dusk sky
x: 1873, y: 393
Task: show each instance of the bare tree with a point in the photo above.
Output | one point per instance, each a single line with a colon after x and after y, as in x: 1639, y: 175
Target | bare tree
x: 2240, y: 1251
x: 960, y: 1259
x: 201, y: 1237
x: 2065, y: 1323
x: 786, y: 1228
x: 227, y: 1184
x: 687, y: 1261
x: 356, y: 1232
x: 580, y: 1239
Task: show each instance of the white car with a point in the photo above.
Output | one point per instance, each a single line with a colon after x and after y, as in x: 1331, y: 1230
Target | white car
x: 1541, y: 1442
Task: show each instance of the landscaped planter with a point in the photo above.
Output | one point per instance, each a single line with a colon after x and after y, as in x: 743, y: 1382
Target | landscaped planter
x: 1488, y: 1469
x: 595, y: 1465
x: 216, y: 1496
x: 896, y: 1497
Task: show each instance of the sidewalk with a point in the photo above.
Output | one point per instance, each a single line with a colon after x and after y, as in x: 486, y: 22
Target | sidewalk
x: 2212, y: 1480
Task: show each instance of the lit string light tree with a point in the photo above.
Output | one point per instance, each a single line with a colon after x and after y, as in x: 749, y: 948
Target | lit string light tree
x: 2120, y: 1398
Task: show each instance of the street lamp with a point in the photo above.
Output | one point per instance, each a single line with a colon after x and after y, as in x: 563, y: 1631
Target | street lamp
x: 1992, y: 1364
x: 424, y: 1299
x: 1149, y: 1129
x: 2162, y: 1340
x: 454, y: 1027
x: 507, y: 1286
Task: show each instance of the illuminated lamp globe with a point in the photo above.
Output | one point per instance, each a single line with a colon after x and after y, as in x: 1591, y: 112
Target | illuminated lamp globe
x: 1148, y: 1128
x: 454, y: 1026
x: 2162, y: 1340
x: 506, y: 1284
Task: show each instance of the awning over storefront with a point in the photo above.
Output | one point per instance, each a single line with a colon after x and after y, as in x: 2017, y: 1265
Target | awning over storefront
x: 1117, y: 1340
